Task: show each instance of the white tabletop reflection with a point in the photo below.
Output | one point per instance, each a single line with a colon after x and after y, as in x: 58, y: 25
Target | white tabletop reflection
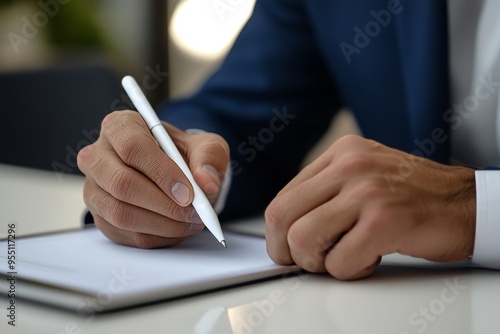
x: 404, y: 296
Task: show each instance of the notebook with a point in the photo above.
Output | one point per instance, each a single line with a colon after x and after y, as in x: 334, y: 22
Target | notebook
x: 83, y: 271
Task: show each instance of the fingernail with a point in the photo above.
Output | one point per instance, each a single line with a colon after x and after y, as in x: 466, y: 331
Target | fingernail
x: 181, y: 193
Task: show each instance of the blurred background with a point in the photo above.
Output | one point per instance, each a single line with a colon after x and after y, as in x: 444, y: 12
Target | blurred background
x: 186, y: 39
x: 60, y: 67
x: 61, y: 61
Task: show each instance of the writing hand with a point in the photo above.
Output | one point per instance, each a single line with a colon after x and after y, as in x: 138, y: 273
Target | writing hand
x: 136, y: 194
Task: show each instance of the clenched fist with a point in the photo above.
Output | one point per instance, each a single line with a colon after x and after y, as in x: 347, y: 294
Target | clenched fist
x: 361, y: 200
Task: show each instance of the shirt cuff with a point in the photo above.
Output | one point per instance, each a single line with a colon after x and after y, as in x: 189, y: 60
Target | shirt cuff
x: 487, y: 243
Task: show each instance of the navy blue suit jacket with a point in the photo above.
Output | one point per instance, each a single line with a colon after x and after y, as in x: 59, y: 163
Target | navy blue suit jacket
x: 297, y: 62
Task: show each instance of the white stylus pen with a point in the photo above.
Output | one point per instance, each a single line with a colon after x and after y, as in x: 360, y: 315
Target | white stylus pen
x: 200, y: 201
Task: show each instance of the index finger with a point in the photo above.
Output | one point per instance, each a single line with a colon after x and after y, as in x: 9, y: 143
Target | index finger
x: 132, y: 140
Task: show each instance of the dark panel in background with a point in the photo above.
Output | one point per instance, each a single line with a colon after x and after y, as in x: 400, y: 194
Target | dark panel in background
x: 48, y: 115
x: 159, y: 48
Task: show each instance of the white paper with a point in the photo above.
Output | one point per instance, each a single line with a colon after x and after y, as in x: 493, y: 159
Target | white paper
x: 87, y: 264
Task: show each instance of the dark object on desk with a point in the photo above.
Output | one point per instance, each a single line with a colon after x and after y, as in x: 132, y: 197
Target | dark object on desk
x: 88, y: 220
x: 47, y: 116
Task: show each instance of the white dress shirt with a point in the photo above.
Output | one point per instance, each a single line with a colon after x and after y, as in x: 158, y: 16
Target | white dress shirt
x: 475, y: 131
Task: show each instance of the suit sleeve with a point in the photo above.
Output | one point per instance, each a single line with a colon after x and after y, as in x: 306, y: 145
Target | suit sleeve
x: 271, y: 99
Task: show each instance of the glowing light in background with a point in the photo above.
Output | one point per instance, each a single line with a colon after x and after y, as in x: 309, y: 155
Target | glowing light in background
x: 207, y: 29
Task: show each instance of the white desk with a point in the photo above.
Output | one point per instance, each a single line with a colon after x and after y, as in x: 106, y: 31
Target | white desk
x: 39, y: 201
x: 397, y: 299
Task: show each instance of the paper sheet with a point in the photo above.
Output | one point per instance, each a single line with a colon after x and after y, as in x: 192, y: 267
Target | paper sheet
x: 86, y: 264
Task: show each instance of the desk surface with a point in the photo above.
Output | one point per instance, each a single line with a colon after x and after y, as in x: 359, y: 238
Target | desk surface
x: 39, y: 201
x: 414, y: 298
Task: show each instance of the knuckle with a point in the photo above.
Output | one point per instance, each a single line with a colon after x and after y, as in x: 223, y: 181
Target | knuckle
x: 278, y: 257
x: 112, y: 210
x: 338, y: 274
x: 336, y: 269
x: 348, y: 141
x: 311, y: 264
x: 99, y: 222
x: 302, y: 247
x: 180, y: 230
x: 354, y: 163
x: 109, y: 121
x: 214, y: 148
x: 91, y: 159
x: 102, y: 225
x: 128, y: 148
x: 216, y: 144
x: 83, y: 156
x: 160, y: 176
x: 217, y: 149
x: 145, y: 241
x: 94, y: 202
x: 117, y: 127
x: 116, y: 119
x: 370, y: 189
x: 121, y: 184
x: 176, y: 212
x: 297, y: 240
x: 378, y: 219
x: 118, y: 215
x: 274, y: 218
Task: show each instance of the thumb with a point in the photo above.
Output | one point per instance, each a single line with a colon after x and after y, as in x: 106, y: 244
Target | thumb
x: 208, y: 158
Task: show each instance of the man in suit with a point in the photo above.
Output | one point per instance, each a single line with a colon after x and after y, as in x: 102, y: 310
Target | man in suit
x: 293, y: 66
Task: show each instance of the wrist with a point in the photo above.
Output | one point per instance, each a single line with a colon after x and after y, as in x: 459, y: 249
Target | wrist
x: 467, y: 200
